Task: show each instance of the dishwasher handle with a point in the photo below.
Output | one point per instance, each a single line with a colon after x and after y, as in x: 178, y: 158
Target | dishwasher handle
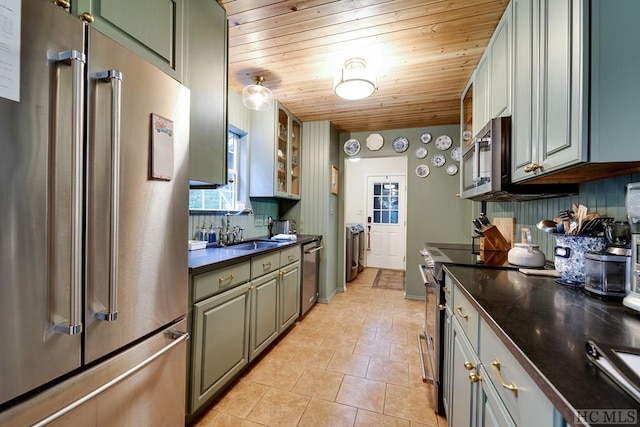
x: 313, y: 250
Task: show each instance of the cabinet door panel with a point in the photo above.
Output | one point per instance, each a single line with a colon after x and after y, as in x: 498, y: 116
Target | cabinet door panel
x: 500, y: 68
x: 481, y: 96
x: 264, y: 312
x: 491, y: 410
x: 462, y: 404
x: 524, y: 87
x: 289, y: 295
x: 220, y: 342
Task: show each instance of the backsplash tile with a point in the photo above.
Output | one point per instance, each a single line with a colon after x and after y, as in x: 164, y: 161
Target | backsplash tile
x: 605, y: 196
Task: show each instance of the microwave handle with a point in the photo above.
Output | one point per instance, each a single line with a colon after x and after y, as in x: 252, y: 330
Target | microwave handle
x: 476, y: 170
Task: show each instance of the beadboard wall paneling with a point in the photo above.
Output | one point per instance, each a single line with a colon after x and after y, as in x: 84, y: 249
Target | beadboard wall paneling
x: 317, y: 208
x: 604, y: 196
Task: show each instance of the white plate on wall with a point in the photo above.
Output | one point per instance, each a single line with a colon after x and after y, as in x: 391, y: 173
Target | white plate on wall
x: 400, y: 144
x: 452, y: 170
x: 456, y: 154
x: 438, y: 160
x: 375, y: 142
x: 422, y: 171
x: 443, y: 142
x: 425, y: 138
x: 421, y: 152
x: 352, y: 147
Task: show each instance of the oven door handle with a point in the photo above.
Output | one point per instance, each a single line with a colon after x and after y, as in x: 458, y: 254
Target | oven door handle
x: 426, y: 274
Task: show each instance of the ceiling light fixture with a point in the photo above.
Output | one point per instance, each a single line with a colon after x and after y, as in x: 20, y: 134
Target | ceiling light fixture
x: 256, y: 96
x: 355, y: 81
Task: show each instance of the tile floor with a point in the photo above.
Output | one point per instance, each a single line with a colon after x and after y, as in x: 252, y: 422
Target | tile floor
x: 352, y: 362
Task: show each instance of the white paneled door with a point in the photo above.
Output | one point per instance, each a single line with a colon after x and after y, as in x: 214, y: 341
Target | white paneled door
x: 386, y: 221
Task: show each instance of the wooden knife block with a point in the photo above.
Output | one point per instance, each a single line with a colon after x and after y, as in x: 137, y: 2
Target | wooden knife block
x: 493, y: 240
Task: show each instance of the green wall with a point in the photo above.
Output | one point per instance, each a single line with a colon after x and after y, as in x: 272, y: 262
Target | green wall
x: 434, y: 211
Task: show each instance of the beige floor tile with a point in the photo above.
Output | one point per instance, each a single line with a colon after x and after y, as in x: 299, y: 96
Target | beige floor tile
x: 367, y: 347
x: 380, y: 322
x: 406, y: 353
x: 361, y: 331
x: 405, y: 403
x: 388, y: 372
x: 225, y: 420
x: 279, y: 408
x: 319, y: 383
x: 306, y: 337
x: 393, y: 336
x: 350, y: 364
x: 313, y: 357
x: 277, y: 373
x: 321, y: 413
x: 369, y: 419
x: 362, y: 393
x: 339, y: 342
x: 415, y: 376
x: 241, y: 399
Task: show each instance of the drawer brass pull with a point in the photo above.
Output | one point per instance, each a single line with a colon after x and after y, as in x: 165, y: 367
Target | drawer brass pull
x: 290, y: 257
x: 460, y: 313
x: 442, y: 307
x: 474, y: 377
x: 469, y: 366
x: 495, y: 365
x: 221, y: 280
x: 446, y: 289
x: 533, y: 167
x: 266, y: 265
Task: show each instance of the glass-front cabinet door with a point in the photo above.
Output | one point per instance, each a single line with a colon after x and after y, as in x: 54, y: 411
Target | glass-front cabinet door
x: 282, y: 182
x: 296, y: 128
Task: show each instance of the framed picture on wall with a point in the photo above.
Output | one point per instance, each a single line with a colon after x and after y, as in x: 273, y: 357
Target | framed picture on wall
x: 334, y: 180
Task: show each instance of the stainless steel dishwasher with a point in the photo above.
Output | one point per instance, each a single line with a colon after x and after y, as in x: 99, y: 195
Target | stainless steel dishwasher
x: 310, y: 273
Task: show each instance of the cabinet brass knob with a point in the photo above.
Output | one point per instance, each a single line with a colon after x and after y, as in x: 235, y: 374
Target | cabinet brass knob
x: 460, y: 313
x: 469, y: 366
x: 442, y: 307
x: 446, y: 289
x: 533, y: 167
x: 62, y: 3
x: 474, y: 377
x: 86, y: 17
x: 495, y: 366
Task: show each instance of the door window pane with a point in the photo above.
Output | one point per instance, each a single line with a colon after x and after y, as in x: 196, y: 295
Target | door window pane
x: 385, y: 202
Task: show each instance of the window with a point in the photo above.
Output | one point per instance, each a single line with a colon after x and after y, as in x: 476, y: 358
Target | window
x: 224, y: 197
x: 385, y: 203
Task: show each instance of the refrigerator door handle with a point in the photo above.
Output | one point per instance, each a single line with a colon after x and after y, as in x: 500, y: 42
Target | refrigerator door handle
x: 77, y: 60
x: 115, y: 78
x: 178, y: 338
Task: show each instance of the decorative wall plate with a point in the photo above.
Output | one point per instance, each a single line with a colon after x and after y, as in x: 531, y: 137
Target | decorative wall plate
x: 422, y: 171
x: 400, y: 144
x: 375, y: 142
x: 438, y: 160
x: 421, y: 152
x: 456, y: 154
x: 352, y: 147
x: 466, y: 135
x: 443, y: 142
x: 452, y: 170
x: 425, y: 138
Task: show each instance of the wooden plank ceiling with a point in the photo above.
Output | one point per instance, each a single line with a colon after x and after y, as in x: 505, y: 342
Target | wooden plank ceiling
x: 423, y: 53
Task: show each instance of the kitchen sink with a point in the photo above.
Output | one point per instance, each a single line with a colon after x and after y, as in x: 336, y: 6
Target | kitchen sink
x: 255, y: 245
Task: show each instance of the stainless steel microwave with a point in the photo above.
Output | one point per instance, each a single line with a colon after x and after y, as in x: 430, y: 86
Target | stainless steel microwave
x: 486, y: 168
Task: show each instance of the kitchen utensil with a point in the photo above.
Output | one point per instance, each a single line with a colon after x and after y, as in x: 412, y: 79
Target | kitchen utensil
x: 569, y: 256
x: 548, y: 226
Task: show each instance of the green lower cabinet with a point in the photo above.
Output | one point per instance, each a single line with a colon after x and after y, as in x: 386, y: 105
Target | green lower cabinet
x: 463, y: 393
x: 264, y: 312
x: 491, y: 411
x: 289, y: 295
x: 220, y: 335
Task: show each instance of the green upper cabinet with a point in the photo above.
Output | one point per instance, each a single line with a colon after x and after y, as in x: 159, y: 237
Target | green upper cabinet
x: 150, y: 28
x: 275, y: 153
x: 206, y: 76
x: 575, y: 90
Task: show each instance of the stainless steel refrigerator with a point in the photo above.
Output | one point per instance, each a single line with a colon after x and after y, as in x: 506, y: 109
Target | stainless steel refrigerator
x: 93, y: 232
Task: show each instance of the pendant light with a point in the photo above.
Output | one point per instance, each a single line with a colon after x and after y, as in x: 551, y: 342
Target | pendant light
x: 256, y: 96
x: 355, y: 81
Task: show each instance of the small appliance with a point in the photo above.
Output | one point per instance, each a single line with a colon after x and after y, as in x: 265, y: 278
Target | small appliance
x: 284, y: 226
x: 607, y: 273
x: 632, y: 203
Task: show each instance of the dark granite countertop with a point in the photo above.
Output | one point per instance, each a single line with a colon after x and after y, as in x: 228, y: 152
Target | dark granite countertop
x: 545, y: 326
x: 204, y: 260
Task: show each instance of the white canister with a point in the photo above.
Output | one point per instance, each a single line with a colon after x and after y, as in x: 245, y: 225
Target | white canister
x: 525, y: 255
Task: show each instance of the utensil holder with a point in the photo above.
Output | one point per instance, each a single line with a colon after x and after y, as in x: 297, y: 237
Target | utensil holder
x: 493, y: 240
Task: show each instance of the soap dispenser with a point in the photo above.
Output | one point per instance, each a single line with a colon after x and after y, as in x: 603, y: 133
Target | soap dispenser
x: 211, y: 236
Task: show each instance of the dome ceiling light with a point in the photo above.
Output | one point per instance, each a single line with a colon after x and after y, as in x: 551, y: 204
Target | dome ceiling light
x: 354, y: 80
x: 256, y: 96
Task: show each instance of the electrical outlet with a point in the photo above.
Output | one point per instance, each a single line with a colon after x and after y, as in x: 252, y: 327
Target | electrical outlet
x: 258, y: 220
